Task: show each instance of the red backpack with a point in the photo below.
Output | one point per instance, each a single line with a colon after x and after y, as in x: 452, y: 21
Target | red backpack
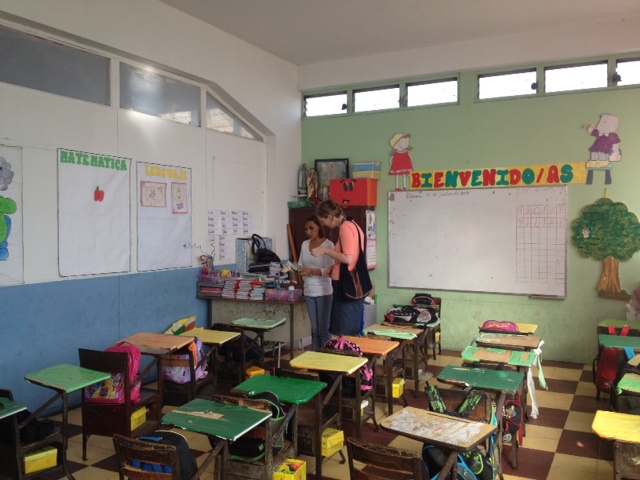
x: 605, y: 365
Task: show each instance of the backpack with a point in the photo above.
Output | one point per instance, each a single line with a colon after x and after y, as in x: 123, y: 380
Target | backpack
x: 499, y: 327
x: 182, y: 375
x: 471, y: 465
x: 605, y: 365
x: 366, y: 373
x: 232, y: 354
x: 112, y: 389
x: 512, y: 420
x: 188, y: 464
x: 250, y: 448
x: 423, y: 300
x: 418, y: 317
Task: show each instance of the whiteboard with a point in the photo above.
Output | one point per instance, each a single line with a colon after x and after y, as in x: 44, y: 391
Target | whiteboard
x: 501, y: 240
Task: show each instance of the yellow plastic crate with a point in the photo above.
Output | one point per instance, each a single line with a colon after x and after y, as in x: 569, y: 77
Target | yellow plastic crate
x: 253, y: 371
x: 138, y: 418
x: 45, y: 458
x: 332, y: 441
x: 291, y: 469
x: 398, y: 387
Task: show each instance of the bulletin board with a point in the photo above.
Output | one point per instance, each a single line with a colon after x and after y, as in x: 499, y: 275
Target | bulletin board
x: 494, y: 240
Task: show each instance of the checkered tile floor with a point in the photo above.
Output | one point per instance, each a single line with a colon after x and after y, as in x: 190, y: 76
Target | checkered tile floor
x: 559, y: 444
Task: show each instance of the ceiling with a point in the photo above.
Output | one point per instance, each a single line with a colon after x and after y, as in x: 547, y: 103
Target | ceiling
x: 305, y: 32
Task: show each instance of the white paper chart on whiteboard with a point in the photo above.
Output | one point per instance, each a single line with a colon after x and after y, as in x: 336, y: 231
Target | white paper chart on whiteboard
x: 503, y: 240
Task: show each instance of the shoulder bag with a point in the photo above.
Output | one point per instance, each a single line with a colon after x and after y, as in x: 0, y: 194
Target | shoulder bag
x: 355, y: 284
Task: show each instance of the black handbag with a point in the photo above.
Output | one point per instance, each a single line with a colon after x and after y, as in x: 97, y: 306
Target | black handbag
x: 355, y: 284
x: 261, y: 254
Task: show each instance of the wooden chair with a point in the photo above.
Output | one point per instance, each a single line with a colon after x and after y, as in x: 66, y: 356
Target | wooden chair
x: 233, y: 467
x: 174, y: 393
x: 352, y: 409
x: 129, y: 450
x: 382, y: 462
x: 434, y: 335
x: 13, y: 451
x: 110, y: 419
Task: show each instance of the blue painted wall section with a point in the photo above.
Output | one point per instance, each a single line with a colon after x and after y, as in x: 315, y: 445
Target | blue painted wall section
x: 44, y: 324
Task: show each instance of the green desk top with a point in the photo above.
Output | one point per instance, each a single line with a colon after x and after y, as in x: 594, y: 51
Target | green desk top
x: 630, y: 382
x: 225, y: 421
x: 9, y: 407
x: 482, y: 354
x: 496, y: 380
x: 289, y: 390
x: 616, y: 341
x: 67, y: 378
x: 619, y: 324
x: 261, y: 323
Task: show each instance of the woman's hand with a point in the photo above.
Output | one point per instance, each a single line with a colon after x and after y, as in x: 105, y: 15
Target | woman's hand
x: 319, y: 251
x: 306, y: 272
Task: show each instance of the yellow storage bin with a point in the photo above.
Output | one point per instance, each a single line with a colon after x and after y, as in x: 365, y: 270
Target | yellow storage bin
x: 332, y: 441
x: 138, y: 418
x: 41, y: 459
x: 291, y: 469
x: 398, y: 387
x: 253, y: 371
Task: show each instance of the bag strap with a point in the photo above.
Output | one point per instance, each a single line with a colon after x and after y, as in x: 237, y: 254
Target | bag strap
x: 257, y: 242
x: 357, y: 230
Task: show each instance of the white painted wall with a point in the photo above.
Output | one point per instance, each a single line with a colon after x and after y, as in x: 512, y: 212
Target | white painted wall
x: 264, y: 175
x: 547, y: 44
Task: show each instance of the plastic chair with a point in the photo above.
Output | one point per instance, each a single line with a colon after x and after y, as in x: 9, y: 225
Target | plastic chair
x: 382, y: 462
x: 109, y: 419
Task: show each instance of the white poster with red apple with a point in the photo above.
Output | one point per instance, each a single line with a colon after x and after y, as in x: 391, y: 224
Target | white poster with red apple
x: 94, y: 227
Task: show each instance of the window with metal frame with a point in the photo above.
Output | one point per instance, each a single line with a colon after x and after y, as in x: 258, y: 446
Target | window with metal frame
x: 507, y: 84
x: 627, y: 73
x: 371, y: 99
x: 435, y: 92
x: 579, y: 77
x: 222, y: 119
x: 331, y: 104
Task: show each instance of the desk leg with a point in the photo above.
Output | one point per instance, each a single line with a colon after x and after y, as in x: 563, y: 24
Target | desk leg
x: 317, y: 441
x: 65, y: 435
x: 292, y: 336
x: 451, y: 461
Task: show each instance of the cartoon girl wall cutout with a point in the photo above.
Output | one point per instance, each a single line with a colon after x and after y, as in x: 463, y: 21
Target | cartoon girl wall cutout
x: 606, y: 147
x: 401, y: 161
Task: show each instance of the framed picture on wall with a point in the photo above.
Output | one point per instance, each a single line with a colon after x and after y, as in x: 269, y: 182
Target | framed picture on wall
x: 330, y: 169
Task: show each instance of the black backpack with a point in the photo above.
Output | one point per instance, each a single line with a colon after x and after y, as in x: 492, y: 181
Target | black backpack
x: 188, y: 464
x: 471, y: 465
x: 415, y: 316
x: 512, y: 421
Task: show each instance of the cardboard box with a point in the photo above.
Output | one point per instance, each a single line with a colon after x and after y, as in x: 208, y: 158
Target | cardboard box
x: 138, y: 418
x: 367, y: 174
x: 244, y: 255
x: 40, y: 460
x: 357, y: 192
x: 367, y: 167
x: 253, y: 371
x: 398, y: 387
x: 291, y: 469
x: 332, y: 441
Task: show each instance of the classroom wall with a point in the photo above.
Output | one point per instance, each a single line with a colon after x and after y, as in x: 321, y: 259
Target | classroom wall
x: 46, y: 320
x: 509, y: 132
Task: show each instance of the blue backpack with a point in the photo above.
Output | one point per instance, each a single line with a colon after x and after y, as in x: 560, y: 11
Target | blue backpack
x: 188, y: 464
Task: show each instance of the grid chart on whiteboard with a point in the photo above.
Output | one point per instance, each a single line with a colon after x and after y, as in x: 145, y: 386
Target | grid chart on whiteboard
x: 541, y: 238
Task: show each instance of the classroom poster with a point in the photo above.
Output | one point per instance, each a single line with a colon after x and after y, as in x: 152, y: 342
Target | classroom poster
x: 93, y: 213
x: 164, y: 217
x: 11, y: 249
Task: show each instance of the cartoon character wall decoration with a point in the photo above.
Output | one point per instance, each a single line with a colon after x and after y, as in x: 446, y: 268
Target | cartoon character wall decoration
x: 401, y: 161
x: 7, y: 207
x: 605, y: 148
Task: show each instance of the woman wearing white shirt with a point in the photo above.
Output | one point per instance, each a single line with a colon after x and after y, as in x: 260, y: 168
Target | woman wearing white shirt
x: 317, y: 285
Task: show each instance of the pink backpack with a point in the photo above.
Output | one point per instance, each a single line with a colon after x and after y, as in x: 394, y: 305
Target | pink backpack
x: 182, y: 375
x: 112, y: 389
x: 499, y: 327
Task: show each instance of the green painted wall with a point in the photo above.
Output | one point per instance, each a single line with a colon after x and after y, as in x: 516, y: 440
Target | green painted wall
x: 508, y: 132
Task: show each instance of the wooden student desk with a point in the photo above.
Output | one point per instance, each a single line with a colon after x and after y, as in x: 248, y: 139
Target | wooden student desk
x: 157, y: 345
x: 413, y: 339
x: 63, y: 379
x: 9, y: 407
x: 501, y: 383
x: 293, y: 391
x: 258, y: 326
x: 523, y: 329
x: 223, y: 421
x: 629, y: 384
x: 453, y: 434
x: 337, y: 367
x: 624, y: 430
x: 508, y: 341
x: 634, y: 331
x: 514, y: 358
x: 375, y: 348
